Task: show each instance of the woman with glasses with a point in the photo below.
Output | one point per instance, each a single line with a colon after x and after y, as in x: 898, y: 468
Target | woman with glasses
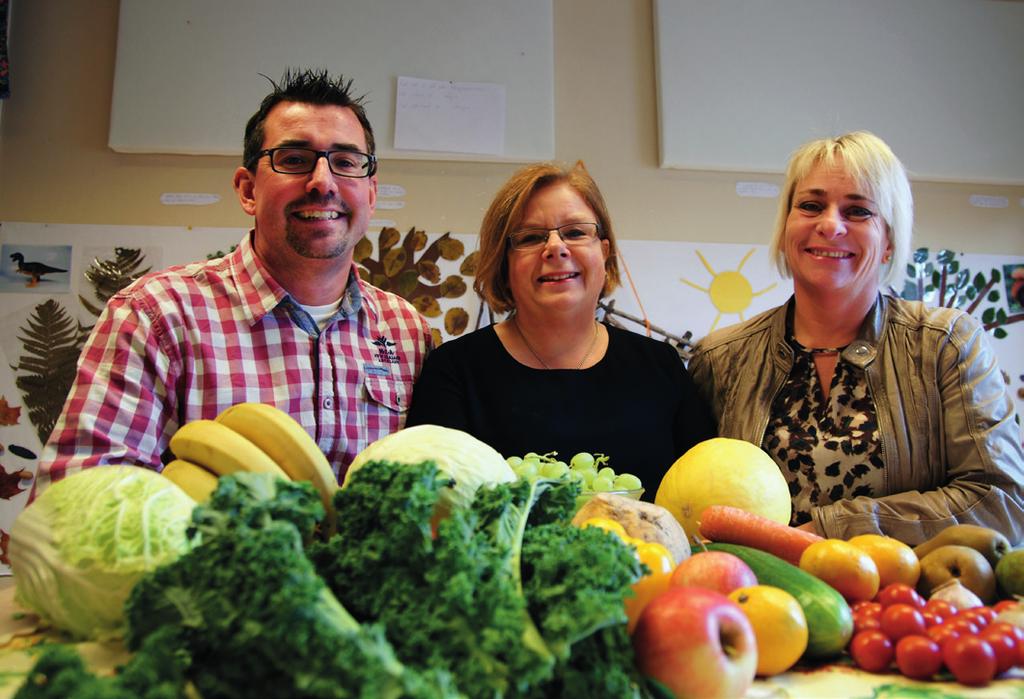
x: 549, y: 377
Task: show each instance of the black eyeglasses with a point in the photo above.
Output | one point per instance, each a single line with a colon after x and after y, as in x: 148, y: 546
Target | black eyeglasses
x: 570, y: 233
x: 301, y: 161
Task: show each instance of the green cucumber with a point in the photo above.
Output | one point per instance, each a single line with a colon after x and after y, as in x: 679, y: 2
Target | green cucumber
x: 829, y: 620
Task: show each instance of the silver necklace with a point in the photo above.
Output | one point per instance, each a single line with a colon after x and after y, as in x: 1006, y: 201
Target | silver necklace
x: 593, y: 343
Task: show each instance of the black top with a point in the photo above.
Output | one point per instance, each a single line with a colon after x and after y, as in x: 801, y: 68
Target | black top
x: 638, y: 404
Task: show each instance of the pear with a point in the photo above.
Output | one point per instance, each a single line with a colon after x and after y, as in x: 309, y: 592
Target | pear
x: 961, y: 562
x: 988, y: 542
x: 1010, y: 573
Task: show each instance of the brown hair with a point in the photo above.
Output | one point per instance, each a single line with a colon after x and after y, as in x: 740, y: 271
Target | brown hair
x: 505, y: 215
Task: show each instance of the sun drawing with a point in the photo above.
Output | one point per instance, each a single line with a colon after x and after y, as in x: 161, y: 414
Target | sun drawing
x: 730, y: 291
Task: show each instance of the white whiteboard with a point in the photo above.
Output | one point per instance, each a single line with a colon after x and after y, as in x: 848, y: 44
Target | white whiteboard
x: 742, y: 83
x: 187, y: 74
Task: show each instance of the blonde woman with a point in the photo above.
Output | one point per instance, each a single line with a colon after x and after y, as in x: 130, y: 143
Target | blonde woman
x: 885, y: 416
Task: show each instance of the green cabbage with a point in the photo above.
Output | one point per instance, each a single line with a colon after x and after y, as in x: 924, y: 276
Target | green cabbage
x: 459, y: 455
x: 80, y: 547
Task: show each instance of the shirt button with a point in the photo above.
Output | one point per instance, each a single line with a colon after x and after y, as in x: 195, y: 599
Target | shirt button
x: 328, y: 403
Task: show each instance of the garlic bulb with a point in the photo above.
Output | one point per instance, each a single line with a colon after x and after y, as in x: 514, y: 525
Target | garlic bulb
x: 954, y: 592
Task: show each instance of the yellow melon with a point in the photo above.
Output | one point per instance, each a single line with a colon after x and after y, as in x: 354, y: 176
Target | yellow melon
x: 724, y: 471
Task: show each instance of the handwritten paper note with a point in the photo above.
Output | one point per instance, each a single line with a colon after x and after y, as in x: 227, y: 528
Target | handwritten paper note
x: 456, y: 117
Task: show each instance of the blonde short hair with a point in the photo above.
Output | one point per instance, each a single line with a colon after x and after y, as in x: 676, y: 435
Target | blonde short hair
x: 870, y: 161
x: 505, y: 215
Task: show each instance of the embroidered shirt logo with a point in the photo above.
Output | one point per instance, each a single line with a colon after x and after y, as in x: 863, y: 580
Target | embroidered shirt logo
x: 385, y: 353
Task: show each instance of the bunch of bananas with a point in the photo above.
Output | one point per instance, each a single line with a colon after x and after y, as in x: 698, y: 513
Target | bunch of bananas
x: 249, y: 437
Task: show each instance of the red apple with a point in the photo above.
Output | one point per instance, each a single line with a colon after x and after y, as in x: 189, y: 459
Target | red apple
x: 697, y: 643
x: 714, y: 570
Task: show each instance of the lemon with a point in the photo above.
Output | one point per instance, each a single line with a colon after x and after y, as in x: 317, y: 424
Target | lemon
x: 723, y: 471
x: 779, y: 624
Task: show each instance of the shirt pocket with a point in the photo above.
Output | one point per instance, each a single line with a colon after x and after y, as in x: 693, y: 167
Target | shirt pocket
x: 388, y: 392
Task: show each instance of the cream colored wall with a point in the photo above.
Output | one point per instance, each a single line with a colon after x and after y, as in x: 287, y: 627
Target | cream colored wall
x: 55, y: 165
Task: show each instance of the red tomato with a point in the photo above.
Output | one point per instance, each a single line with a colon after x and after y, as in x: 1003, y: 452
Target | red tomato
x: 865, y: 622
x: 940, y: 607
x: 971, y: 660
x: 900, y: 593
x: 1004, y: 604
x: 1008, y: 628
x: 966, y: 627
x: 918, y: 657
x: 1005, y: 645
x: 978, y: 615
x: 931, y: 618
x: 872, y: 651
x: 987, y: 614
x: 866, y: 607
x: 899, y: 620
x: 943, y: 633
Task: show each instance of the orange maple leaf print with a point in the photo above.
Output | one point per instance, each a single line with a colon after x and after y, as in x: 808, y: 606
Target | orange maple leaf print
x: 8, y: 415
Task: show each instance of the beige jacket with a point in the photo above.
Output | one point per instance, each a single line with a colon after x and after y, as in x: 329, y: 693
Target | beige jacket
x: 951, y: 441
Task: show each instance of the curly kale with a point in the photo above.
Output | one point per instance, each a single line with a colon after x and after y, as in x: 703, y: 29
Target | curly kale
x: 383, y: 541
x: 438, y: 599
x: 252, y: 500
x: 601, y: 665
x: 576, y: 600
x: 252, y: 613
x: 446, y: 602
x: 156, y: 672
x: 482, y: 600
x: 573, y: 596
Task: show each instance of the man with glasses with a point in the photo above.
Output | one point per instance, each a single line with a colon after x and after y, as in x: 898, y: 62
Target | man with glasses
x: 283, y: 319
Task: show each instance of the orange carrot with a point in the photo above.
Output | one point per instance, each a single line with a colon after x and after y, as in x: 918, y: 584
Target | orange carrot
x: 731, y: 525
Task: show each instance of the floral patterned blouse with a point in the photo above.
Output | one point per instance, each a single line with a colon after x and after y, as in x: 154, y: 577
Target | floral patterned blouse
x: 826, y: 447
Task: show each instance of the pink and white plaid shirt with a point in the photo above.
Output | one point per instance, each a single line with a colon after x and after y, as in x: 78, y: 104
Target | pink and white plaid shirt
x: 192, y: 340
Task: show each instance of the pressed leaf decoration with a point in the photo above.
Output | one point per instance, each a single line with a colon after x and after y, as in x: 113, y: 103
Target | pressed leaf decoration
x: 52, y: 341
x: 418, y: 279
x: 10, y: 483
x: 9, y: 415
x: 110, y: 276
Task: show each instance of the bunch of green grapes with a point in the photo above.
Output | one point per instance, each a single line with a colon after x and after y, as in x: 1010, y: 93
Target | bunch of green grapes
x: 590, y: 470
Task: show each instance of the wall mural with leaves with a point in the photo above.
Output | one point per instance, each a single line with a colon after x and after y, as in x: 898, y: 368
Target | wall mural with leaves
x: 946, y: 279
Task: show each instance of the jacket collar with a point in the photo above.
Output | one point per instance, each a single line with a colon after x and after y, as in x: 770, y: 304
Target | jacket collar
x: 860, y: 352
x: 864, y: 349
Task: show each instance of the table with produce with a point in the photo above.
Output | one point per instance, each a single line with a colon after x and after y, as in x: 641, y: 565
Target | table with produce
x: 439, y: 568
